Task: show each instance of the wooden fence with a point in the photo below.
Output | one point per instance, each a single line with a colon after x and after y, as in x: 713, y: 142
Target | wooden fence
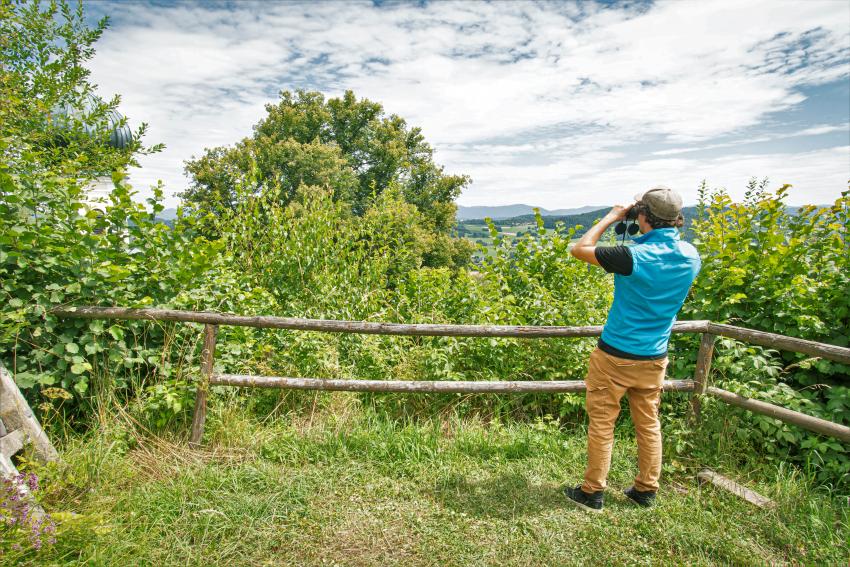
x: 699, y: 386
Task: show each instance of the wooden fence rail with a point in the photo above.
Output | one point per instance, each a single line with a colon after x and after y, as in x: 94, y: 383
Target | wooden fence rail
x: 772, y: 340
x: 809, y: 422
x: 359, y: 327
x: 699, y: 386
x: 418, y: 386
x: 781, y: 342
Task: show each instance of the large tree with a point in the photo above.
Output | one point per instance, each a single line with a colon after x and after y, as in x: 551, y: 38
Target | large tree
x: 345, y: 144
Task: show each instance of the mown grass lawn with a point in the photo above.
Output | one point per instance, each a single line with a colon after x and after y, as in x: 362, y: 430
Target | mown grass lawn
x: 351, y: 488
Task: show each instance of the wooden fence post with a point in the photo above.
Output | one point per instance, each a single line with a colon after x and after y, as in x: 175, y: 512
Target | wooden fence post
x: 706, y: 351
x: 16, y: 414
x: 207, y: 359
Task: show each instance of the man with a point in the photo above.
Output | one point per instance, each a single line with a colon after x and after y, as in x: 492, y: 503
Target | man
x: 651, y: 281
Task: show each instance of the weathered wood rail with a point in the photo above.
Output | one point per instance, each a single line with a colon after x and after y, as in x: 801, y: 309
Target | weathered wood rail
x: 417, y: 386
x: 699, y: 386
x: 358, y: 327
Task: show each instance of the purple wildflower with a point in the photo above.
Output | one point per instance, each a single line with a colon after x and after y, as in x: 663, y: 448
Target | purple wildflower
x: 16, y: 510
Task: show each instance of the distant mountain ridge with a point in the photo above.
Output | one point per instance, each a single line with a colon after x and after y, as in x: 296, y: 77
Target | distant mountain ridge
x: 167, y: 214
x: 586, y: 219
x: 499, y: 212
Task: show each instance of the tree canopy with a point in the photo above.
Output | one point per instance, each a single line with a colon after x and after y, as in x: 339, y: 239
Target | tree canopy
x: 348, y: 145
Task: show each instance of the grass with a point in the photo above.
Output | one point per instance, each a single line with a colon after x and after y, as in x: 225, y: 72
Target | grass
x: 345, y: 486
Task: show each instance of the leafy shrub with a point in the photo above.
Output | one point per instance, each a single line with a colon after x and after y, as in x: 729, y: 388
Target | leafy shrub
x: 770, y: 268
x: 56, y: 248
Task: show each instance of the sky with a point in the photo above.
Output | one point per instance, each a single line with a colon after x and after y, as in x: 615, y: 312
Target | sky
x: 547, y: 104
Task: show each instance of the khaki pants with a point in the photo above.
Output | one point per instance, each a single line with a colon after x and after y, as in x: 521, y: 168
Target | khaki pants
x: 608, y: 378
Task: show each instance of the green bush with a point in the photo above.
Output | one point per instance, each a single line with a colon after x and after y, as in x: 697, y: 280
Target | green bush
x: 768, y: 267
x: 55, y: 248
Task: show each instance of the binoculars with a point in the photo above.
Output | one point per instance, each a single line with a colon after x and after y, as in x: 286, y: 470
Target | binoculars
x: 631, y: 216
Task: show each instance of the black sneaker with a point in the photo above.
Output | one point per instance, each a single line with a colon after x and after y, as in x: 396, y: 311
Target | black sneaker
x: 645, y: 499
x: 591, y: 502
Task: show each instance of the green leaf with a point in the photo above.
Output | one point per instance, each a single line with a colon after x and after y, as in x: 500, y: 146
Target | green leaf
x: 26, y: 379
x: 72, y: 348
x: 46, y: 379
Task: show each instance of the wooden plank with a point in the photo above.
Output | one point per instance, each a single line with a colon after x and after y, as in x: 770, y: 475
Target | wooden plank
x: 772, y: 340
x: 10, y: 413
x: 741, y: 491
x: 416, y: 386
x: 703, y: 369
x: 362, y: 327
x: 816, y: 424
x: 207, y: 362
x: 12, y: 443
x: 17, y: 414
x: 7, y: 467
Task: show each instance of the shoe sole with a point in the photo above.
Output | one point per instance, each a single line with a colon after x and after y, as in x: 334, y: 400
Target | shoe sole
x: 582, y: 506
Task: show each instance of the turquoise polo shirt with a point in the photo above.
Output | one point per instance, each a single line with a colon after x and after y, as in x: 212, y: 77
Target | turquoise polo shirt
x: 647, y: 300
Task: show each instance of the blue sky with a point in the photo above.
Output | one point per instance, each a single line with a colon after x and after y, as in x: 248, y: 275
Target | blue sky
x: 548, y: 104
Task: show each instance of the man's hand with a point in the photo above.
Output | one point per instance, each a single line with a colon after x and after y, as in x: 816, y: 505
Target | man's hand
x: 585, y: 248
x: 618, y: 212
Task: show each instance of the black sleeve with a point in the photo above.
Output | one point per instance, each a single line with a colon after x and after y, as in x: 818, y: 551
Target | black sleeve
x: 615, y: 259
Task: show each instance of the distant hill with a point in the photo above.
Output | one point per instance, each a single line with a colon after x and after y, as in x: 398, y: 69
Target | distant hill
x: 499, y: 212
x: 167, y: 214
x: 520, y: 214
x: 585, y: 219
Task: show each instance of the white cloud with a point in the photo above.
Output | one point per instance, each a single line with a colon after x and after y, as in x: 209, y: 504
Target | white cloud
x: 817, y: 176
x: 822, y: 129
x: 562, y: 87
x: 812, y: 131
